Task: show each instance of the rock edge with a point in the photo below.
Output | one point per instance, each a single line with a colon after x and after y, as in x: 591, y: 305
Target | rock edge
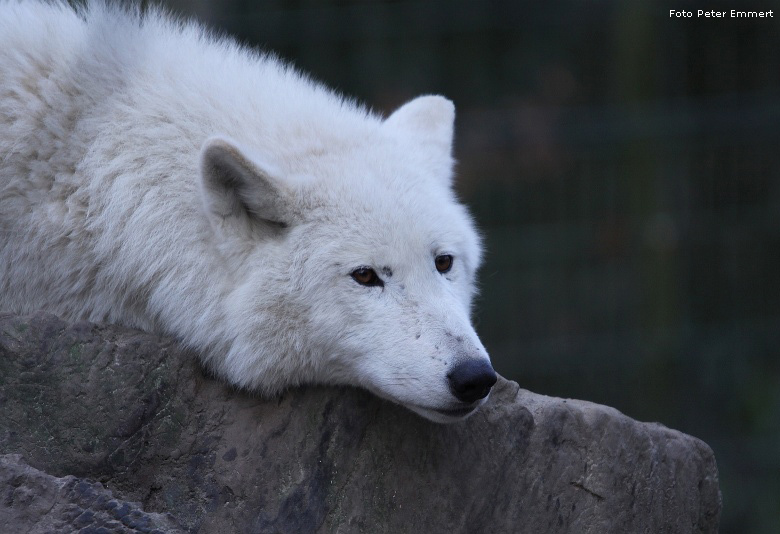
x: 135, y: 414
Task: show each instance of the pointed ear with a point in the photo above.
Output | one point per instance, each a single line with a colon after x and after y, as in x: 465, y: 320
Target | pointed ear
x: 240, y: 194
x: 429, y: 118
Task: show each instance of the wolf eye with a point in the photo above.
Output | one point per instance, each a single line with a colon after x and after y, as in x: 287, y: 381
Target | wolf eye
x: 366, y: 276
x: 443, y: 263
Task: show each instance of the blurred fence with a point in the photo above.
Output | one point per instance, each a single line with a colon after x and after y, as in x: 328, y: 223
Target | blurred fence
x: 625, y: 169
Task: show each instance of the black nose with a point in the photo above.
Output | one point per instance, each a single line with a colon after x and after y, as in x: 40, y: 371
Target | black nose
x: 471, y: 380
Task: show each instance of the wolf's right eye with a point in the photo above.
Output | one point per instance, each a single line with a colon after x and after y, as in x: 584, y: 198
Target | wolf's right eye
x: 366, y: 276
x: 443, y: 263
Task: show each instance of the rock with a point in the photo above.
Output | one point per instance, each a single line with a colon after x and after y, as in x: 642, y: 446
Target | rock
x: 36, y: 503
x: 136, y: 413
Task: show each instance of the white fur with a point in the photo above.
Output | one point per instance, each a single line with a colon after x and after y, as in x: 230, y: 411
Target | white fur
x: 155, y: 176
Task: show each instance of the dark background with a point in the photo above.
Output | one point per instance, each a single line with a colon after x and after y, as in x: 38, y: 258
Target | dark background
x: 623, y: 166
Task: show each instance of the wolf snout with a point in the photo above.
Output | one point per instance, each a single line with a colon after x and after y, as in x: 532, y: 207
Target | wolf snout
x: 471, y: 380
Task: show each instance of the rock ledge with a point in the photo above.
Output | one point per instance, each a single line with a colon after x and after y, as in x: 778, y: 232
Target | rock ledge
x: 115, y: 421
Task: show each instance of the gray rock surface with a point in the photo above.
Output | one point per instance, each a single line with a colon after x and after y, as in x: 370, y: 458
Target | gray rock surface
x: 34, y: 502
x: 135, y: 414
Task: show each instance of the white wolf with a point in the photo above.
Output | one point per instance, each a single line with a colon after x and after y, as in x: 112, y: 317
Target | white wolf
x: 155, y: 176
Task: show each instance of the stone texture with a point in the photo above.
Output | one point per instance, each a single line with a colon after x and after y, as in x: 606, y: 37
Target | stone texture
x: 135, y: 413
x: 36, y: 503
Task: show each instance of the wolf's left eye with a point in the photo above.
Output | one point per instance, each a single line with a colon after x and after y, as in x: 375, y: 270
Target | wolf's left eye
x: 366, y: 276
x: 443, y: 263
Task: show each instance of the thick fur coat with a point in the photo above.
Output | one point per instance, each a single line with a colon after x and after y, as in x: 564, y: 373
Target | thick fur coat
x: 156, y: 176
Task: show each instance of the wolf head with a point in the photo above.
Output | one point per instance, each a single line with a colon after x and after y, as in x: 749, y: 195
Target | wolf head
x: 353, y: 263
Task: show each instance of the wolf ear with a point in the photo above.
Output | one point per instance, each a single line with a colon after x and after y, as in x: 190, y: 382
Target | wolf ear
x: 429, y: 118
x: 241, y: 194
